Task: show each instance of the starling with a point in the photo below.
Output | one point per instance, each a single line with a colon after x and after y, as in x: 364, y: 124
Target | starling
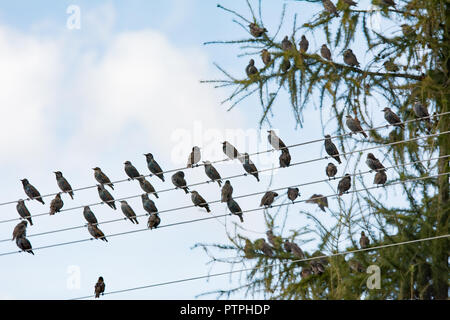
x: 256, y: 31
x: 407, y: 30
x: 179, y: 181
x: 230, y: 151
x: 304, y: 44
x: 63, y: 184
x: 350, y: 2
x: 268, y: 199
x: 373, y: 163
x: 148, y: 204
x: 331, y: 148
x: 99, y: 287
x: 31, y: 191
x: 390, y: 66
x: 20, y: 230
x: 306, y: 272
x: 325, y: 52
x: 392, y: 118
x: 24, y: 244
x: 234, y: 208
x: 363, y: 241
x: 350, y: 58
x: 128, y: 211
x: 354, y: 125
x: 273, y: 240
x: 147, y: 186
x: 331, y: 170
x: 285, y: 158
x: 320, y: 200
x: 198, y: 201
x: 194, y: 157
x: 227, y: 191
x: 421, y: 111
x: 275, y: 141
x: 101, y: 177
x: 388, y: 3
x: 286, y: 45
x: 105, y: 196
x: 330, y: 7
x: 344, y: 184
x: 250, y: 167
x: 292, y: 194
x: 130, y: 170
x: 96, y: 232
x: 153, y: 166
x: 248, y: 249
x: 56, y: 204
x: 317, y: 267
x: 23, y: 211
x: 212, y: 173
x: 250, y: 69
x: 380, y: 177
x: 356, y: 266
x: 285, y: 65
x: 265, y: 56
x: 264, y: 247
x: 153, y: 221
x: 89, y: 215
x: 294, y: 249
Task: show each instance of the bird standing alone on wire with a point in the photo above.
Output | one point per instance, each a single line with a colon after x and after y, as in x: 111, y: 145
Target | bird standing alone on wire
x: 31, y: 191
x: 153, y: 166
x: 227, y: 191
x: 292, y: 194
x: 354, y: 125
x: 250, y: 167
x: 105, y: 196
x: 179, y: 181
x: 331, y: 148
x: 392, y: 118
x: 344, y: 184
x: 23, y: 211
x: 102, y: 178
x: 130, y: 170
x: 199, y: 201
x: 331, y: 170
x: 63, y: 184
x: 56, y: 204
x: 212, y: 172
x: 194, y: 157
x: 99, y: 287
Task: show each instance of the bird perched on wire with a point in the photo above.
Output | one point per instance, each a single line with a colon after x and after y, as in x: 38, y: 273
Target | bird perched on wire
x: 344, y: 184
x: 285, y: 158
x: 153, y: 221
x: 56, y: 204
x: 101, y: 177
x: 23, y: 211
x: 95, y: 231
x: 99, y: 288
x: 262, y: 245
x: 350, y: 3
x: 63, y: 184
x: 421, y: 111
x: 179, y: 181
x: 304, y: 44
x: 325, y: 52
x: 392, y: 118
x: 226, y: 192
x: 212, y: 173
x: 89, y: 215
x: 330, y: 7
x: 388, y: 3
x: 286, y: 45
x: 147, y: 186
x: 234, y: 208
x: 249, y: 166
x: 331, y: 170
x: 148, y: 204
x: 199, y: 201
x: 294, y: 249
x: 130, y: 170
x: 363, y: 241
x: 153, y: 166
x: 256, y: 31
x: 194, y: 157
x: 265, y: 57
x: 128, y: 211
x: 331, y: 148
x: 350, y: 58
x: 268, y: 199
x: 24, y: 244
x: 293, y: 194
x: 275, y: 141
x: 250, y: 69
x: 380, y: 177
x: 31, y: 191
x: 20, y: 230
x: 105, y: 196
x: 230, y: 151
x: 320, y: 200
x: 354, y: 125
x: 373, y: 163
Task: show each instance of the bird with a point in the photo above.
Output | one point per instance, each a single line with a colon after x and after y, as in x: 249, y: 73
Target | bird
x: 250, y: 69
x: 392, y: 118
x: 24, y: 244
x: 407, y: 30
x: 421, y: 111
x: 230, y: 151
x: 249, y: 250
x: 380, y: 177
x: 212, y: 173
x: 264, y: 247
x: 63, y: 184
x: 56, y: 204
x: 275, y: 141
x: 130, y: 170
x: 325, y: 52
x: 293, y: 194
x: 31, y: 191
x: 286, y: 45
x: 356, y: 266
x: 96, y: 232
x: 285, y: 158
x: 147, y: 186
x: 194, y: 157
x: 148, y: 204
x: 306, y: 272
x: 304, y: 44
x: 153, y: 221
x: 285, y: 65
x: 350, y: 2
x: 226, y: 192
x: 331, y: 170
x: 256, y: 31
x: 331, y: 148
x: 363, y: 241
x: 128, y: 211
x: 105, y: 196
x: 99, y: 287
x: 20, y: 230
x: 249, y: 166
x: 275, y: 241
x: 390, y: 66
x: 320, y: 200
x: 198, y: 201
x: 101, y: 177
x: 316, y: 267
x: 373, y: 163
x: 23, y: 211
x: 330, y: 7
x: 344, y: 184
x: 179, y: 181
x: 234, y: 207
x: 268, y: 199
x: 294, y: 249
x: 265, y: 57
x: 153, y: 166
x: 354, y: 125
x: 89, y: 215
x: 388, y: 3
x: 350, y: 58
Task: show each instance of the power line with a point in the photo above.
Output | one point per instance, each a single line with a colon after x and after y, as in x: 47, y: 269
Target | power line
x: 237, y: 197
x: 252, y: 154
x: 224, y: 215
x: 270, y: 265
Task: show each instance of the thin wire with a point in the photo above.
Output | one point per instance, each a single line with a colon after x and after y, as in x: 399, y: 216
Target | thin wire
x: 252, y: 154
x: 270, y: 265
x: 237, y: 197
x: 219, y: 216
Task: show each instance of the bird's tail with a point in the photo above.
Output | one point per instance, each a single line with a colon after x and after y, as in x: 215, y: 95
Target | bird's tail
x: 31, y: 251
x: 364, y: 134
x: 104, y: 239
x: 111, y: 185
x: 135, y: 219
x: 220, y: 183
x: 207, y: 209
x: 71, y: 194
x: 241, y: 217
x: 156, y: 195
x: 97, y: 295
x: 161, y: 177
x: 29, y: 220
x: 186, y: 189
x: 40, y: 200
